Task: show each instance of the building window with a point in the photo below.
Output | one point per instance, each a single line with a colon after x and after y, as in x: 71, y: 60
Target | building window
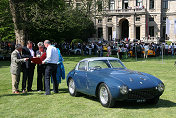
x: 125, y: 4
x: 165, y: 4
x: 100, y: 32
x: 137, y: 18
x: 164, y: 18
x: 100, y: 6
x: 99, y: 20
x: 139, y: 3
x: 111, y: 4
x: 109, y: 19
x: 151, y: 4
x: 151, y: 19
x: 151, y: 31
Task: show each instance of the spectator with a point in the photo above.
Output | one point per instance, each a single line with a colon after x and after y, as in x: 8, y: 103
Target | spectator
x: 15, y: 67
x: 51, y: 62
x: 28, y: 67
x: 166, y: 49
x: 109, y: 50
x: 146, y: 48
x: 40, y: 68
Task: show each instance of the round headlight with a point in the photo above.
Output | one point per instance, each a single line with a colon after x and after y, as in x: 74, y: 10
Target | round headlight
x: 123, y: 89
x: 161, y: 87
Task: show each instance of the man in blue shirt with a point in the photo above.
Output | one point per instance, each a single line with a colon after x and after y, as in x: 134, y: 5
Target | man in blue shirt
x: 51, y: 61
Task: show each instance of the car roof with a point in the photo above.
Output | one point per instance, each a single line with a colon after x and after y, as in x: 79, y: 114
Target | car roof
x: 99, y: 58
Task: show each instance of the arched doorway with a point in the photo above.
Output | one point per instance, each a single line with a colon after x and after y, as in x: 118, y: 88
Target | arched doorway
x: 124, y: 24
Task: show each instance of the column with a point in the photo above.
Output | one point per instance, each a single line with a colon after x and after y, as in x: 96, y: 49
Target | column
x: 132, y: 30
x: 105, y: 32
x: 143, y: 27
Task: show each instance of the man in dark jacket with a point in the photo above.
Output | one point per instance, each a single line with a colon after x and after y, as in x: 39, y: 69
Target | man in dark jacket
x: 28, y: 67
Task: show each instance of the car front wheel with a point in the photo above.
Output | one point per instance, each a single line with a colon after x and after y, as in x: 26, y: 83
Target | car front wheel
x: 72, y: 88
x: 105, y: 97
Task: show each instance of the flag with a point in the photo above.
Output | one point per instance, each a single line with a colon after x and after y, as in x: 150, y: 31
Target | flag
x: 175, y: 26
x: 147, y: 27
x: 114, y: 35
x: 168, y: 26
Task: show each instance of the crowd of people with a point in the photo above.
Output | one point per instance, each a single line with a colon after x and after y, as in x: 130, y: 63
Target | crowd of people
x: 120, y: 48
x: 51, y: 66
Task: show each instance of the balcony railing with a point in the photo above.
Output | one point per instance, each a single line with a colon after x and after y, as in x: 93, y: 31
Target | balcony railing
x: 129, y: 10
x: 150, y: 40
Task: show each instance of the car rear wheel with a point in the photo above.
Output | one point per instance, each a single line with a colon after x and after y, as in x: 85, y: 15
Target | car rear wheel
x: 78, y: 52
x: 105, y: 97
x: 153, y: 101
x: 72, y: 88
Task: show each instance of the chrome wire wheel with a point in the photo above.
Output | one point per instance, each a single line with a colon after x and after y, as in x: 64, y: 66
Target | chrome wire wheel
x: 71, y: 86
x: 104, y: 96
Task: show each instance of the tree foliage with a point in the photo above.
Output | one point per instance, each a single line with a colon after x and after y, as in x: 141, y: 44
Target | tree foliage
x: 6, y: 24
x: 46, y: 19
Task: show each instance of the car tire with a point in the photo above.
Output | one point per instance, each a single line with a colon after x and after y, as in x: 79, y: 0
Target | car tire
x: 72, y: 88
x: 153, y: 101
x: 78, y: 52
x: 105, y: 97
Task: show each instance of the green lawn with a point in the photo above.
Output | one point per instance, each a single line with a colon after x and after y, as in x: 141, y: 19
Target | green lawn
x: 63, y: 105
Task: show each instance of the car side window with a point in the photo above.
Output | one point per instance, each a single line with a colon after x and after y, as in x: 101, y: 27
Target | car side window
x: 82, y: 66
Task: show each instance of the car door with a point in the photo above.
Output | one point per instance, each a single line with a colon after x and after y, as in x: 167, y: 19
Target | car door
x: 81, y: 76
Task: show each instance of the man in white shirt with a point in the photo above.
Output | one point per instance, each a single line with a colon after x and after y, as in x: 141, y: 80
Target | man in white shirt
x: 166, y: 49
x: 146, y: 48
x: 51, y: 61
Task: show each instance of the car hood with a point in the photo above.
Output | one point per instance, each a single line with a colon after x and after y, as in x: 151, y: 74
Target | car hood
x: 133, y: 79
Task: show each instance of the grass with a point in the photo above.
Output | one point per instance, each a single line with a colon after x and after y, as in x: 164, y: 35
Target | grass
x: 62, y: 105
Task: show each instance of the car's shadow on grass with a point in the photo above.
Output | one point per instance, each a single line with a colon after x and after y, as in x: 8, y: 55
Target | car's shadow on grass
x: 134, y: 105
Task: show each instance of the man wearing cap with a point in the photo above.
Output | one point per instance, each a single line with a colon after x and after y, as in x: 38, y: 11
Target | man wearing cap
x: 15, y: 67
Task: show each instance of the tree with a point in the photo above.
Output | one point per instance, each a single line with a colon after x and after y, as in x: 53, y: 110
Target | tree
x: 49, y: 19
x: 17, y: 8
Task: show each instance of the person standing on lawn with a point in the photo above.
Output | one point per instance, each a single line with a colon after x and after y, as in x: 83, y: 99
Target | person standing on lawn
x: 146, y: 48
x: 51, y: 62
x: 109, y: 51
x: 40, y: 68
x: 15, y: 67
x: 28, y: 67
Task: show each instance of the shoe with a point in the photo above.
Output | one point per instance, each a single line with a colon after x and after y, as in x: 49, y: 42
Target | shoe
x: 39, y: 90
x: 24, y: 91
x: 56, y: 92
x: 30, y: 90
x: 16, y: 92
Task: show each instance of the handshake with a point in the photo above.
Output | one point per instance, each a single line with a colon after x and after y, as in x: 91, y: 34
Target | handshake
x: 25, y: 59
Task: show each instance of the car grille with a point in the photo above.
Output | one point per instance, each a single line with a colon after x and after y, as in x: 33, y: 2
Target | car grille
x: 142, y: 94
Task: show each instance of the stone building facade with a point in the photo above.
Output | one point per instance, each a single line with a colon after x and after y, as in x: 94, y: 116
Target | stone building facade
x: 144, y: 20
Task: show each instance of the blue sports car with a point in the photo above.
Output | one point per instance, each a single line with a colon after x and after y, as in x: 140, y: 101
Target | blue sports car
x: 109, y: 80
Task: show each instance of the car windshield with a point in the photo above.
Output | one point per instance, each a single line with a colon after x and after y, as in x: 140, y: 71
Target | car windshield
x: 102, y: 64
x: 116, y: 64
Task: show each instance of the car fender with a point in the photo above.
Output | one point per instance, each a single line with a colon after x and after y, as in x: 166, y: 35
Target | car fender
x: 154, y: 79
x: 113, y: 85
